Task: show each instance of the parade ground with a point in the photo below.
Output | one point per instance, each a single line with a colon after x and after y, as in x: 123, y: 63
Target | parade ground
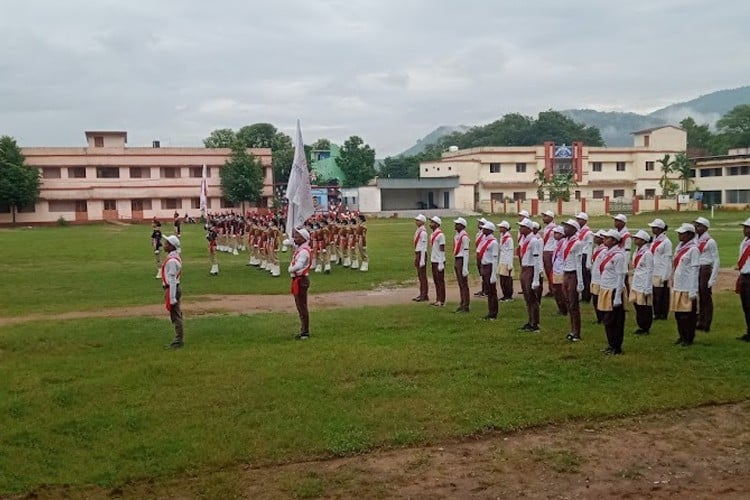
x: 388, y: 398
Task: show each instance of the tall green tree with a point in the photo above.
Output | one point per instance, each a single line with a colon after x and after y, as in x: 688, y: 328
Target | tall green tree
x: 357, y: 162
x: 683, y: 168
x: 321, y: 144
x: 559, y: 186
x: 220, y: 138
x: 734, y: 127
x: 401, y: 167
x: 19, y: 183
x: 242, y: 177
x: 668, y: 187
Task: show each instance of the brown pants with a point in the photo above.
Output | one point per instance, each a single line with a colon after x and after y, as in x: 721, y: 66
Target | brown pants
x: 586, y: 294
x: 661, y: 301
x: 644, y: 317
x: 491, y: 290
x: 463, y: 283
x: 300, y: 300
x: 506, y: 285
x: 745, y: 299
x: 560, y: 299
x: 175, y: 315
x: 614, y: 326
x: 547, y: 263
x: 438, y: 277
x: 422, y: 277
x: 530, y: 295
x: 570, y: 286
x: 479, y: 269
x: 705, y: 299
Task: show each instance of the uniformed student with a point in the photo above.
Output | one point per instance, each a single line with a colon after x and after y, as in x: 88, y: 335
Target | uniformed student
x: 505, y: 261
x: 211, y: 236
x: 171, y: 272
x: 364, y: 260
x: 598, y: 250
x: 611, y: 290
x: 156, y: 245
x: 299, y: 270
x: 683, y: 301
x: 487, y: 255
x: 530, y: 253
x: 420, y: 258
x: 477, y: 242
x: 461, y: 263
x: 661, y: 248
x: 572, y: 277
x: 557, y: 271
x: 620, y: 222
x: 586, y: 237
x: 743, y: 280
x: 548, y: 218
x: 437, y: 260
x: 708, y: 272
x: 641, y: 286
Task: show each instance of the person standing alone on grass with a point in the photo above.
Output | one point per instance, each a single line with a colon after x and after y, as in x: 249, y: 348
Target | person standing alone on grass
x: 420, y: 258
x: 685, y: 285
x: 743, y: 280
x: 611, y: 288
x: 487, y: 255
x: 641, y: 289
x: 708, y: 271
x: 461, y: 263
x: 299, y: 270
x: 171, y: 272
x: 661, y: 248
x: 437, y: 260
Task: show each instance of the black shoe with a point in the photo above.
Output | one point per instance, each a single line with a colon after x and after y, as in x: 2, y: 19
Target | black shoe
x: 506, y: 299
x: 641, y: 332
x: 614, y: 352
x: 489, y: 318
x: 607, y: 350
x: 687, y: 343
x: 525, y: 328
x: 678, y: 342
x: 575, y: 338
x: 302, y: 336
x: 569, y: 336
x: 533, y: 329
x: 420, y: 299
x: 174, y: 345
x: 745, y: 338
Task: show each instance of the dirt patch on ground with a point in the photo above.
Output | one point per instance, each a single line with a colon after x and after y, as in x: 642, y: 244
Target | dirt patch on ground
x: 695, y: 453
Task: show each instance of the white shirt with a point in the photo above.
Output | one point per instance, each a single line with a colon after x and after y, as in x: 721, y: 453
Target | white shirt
x: 557, y: 257
x: 548, y: 238
x: 685, y: 276
x: 709, y: 256
x: 661, y: 248
x: 626, y: 243
x: 745, y: 269
x: 172, y: 272
x: 420, y: 244
x: 506, y: 249
x: 611, y: 275
x: 488, y: 250
x: 586, y: 237
x: 300, y: 264
x: 437, y: 240
x: 596, y: 259
x: 643, y: 270
x: 461, y: 249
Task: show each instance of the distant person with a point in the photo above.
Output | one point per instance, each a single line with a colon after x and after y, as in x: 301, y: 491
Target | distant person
x: 420, y: 258
x: 212, y: 236
x: 685, y: 285
x: 487, y: 254
x: 708, y: 272
x: 478, y: 238
x: 661, y: 248
x: 299, y: 270
x: 743, y: 280
x: 171, y: 272
x: 586, y: 237
x: 156, y: 245
x: 461, y: 263
x: 611, y: 288
x: 572, y: 277
x: 641, y: 289
x: 177, y: 222
x: 505, y: 261
x: 437, y: 260
x: 548, y: 240
x: 530, y: 254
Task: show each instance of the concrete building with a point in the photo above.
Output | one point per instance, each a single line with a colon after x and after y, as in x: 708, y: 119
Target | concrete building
x: 106, y: 180
x: 724, y: 180
x: 490, y: 176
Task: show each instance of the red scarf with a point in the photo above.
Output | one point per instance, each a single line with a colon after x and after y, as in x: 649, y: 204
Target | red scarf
x: 547, y: 233
x: 624, y: 239
x: 745, y: 255
x: 656, y: 245
x: 582, y: 233
x: 483, y: 247
x: 680, y: 254
x: 524, y: 247
x: 702, y: 245
x: 606, y: 260
x: 639, y: 255
x: 569, y: 248
x: 434, y: 236
x: 505, y: 238
x: 459, y: 243
x: 598, y: 250
x: 167, y: 303
x: 418, y: 234
x: 305, y: 271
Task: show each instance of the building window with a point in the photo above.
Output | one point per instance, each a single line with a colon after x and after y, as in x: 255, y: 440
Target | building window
x: 140, y: 172
x: 494, y: 168
x: 649, y: 165
x: 224, y: 203
x: 98, y: 141
x: 76, y: 172
x: 170, y: 172
x: 107, y: 172
x: 498, y: 197
x: 195, y: 203
x: 596, y: 166
x: 51, y: 172
x: 81, y: 206
x: 650, y: 194
x: 110, y: 204
x: 646, y: 140
x: 61, y: 205
x: 620, y: 166
x: 197, y: 172
x: 618, y: 193
x: 744, y: 170
x: 598, y: 194
x: 27, y: 209
x: 140, y: 205
x: 711, y: 172
x: 520, y: 168
x: 577, y: 195
x: 738, y: 195
x: 519, y: 196
x: 171, y: 204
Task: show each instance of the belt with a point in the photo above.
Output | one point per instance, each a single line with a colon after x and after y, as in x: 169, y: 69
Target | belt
x: 569, y: 272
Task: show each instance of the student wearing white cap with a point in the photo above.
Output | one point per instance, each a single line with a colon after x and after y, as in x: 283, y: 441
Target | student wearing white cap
x: 572, y: 277
x: 598, y: 250
x: 586, y: 237
x: 299, y: 270
x: 530, y: 252
x: 743, y: 280
x: 661, y: 248
x: 611, y: 289
x: 505, y: 261
x: 478, y: 238
x: 487, y: 255
x: 171, y: 273
x: 548, y: 240
x: 708, y: 271
x: 620, y: 223
x: 641, y: 288
x: 523, y: 214
x: 535, y: 228
x: 557, y: 271
x: 437, y: 260
x: 420, y: 257
x: 461, y: 263
x: 683, y: 301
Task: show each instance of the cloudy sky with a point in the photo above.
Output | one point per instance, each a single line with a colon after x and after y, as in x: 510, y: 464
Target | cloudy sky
x: 389, y: 71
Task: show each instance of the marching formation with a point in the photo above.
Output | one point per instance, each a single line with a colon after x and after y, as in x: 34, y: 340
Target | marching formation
x: 607, y: 268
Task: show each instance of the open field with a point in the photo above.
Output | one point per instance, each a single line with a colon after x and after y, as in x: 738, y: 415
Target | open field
x: 96, y: 401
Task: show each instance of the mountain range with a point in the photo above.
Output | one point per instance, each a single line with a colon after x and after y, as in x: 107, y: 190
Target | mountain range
x: 617, y: 127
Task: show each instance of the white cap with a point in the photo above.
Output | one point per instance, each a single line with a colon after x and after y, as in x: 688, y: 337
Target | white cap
x: 527, y: 223
x: 702, y: 221
x: 747, y: 222
x: 488, y: 225
x: 535, y: 225
x: 642, y: 235
x: 304, y: 233
x: 601, y: 233
x: 549, y: 213
x: 613, y: 233
x: 573, y: 223
x: 658, y: 223
x: 174, y: 241
x: 482, y: 221
x: 582, y: 216
x: 461, y: 221
x: 621, y: 218
x: 436, y: 220
x: 505, y: 224
x: 686, y: 228
x: 559, y: 229
x: 523, y: 213
x: 421, y: 218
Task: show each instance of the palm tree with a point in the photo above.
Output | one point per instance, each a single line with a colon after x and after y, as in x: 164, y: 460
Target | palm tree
x: 683, y: 167
x: 668, y: 188
x: 560, y: 186
x: 540, y: 179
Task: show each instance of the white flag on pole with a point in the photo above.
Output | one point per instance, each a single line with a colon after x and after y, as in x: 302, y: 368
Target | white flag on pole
x: 298, y: 190
x: 204, y: 193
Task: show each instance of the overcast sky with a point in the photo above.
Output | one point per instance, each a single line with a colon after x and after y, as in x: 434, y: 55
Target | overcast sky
x: 388, y: 71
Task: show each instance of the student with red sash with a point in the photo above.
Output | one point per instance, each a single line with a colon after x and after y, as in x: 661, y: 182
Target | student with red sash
x: 708, y: 272
x: 548, y: 240
x: 461, y: 263
x: 557, y: 271
x: 530, y: 253
x: 572, y: 277
x: 683, y: 301
x: 641, y: 288
x: 299, y: 270
x: 437, y: 260
x: 611, y: 289
x: 598, y: 250
x: 743, y: 280
x: 661, y: 249
x: 505, y: 261
x: 586, y: 237
x: 487, y: 255
x: 478, y: 238
x: 420, y: 258
x: 171, y: 272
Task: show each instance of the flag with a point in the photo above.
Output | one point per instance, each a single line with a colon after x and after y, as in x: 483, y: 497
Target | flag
x: 204, y: 193
x: 298, y: 191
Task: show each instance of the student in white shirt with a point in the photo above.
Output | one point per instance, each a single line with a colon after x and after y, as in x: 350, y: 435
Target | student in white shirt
x: 299, y: 270
x: 171, y: 274
x: 487, y: 255
x: 548, y: 240
x: 586, y: 237
x: 708, y: 271
x: 572, y: 277
x: 598, y: 250
x: 611, y: 289
x: 437, y: 260
x: 505, y: 261
x: 743, y: 280
x: 530, y: 253
x: 477, y: 242
x: 461, y: 263
x: 641, y: 286
x: 557, y: 271
x: 420, y: 258
x: 683, y: 301
x: 661, y: 248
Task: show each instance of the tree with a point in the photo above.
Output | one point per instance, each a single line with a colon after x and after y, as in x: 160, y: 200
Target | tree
x: 321, y: 145
x: 242, y: 177
x: 401, y: 167
x: 734, y: 127
x: 357, y: 162
x: 668, y: 187
x: 257, y: 135
x: 221, y: 138
x: 540, y: 179
x: 19, y: 183
x: 559, y: 186
x: 683, y: 168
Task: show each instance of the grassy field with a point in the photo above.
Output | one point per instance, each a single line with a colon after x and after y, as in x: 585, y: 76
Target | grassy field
x: 97, y: 401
